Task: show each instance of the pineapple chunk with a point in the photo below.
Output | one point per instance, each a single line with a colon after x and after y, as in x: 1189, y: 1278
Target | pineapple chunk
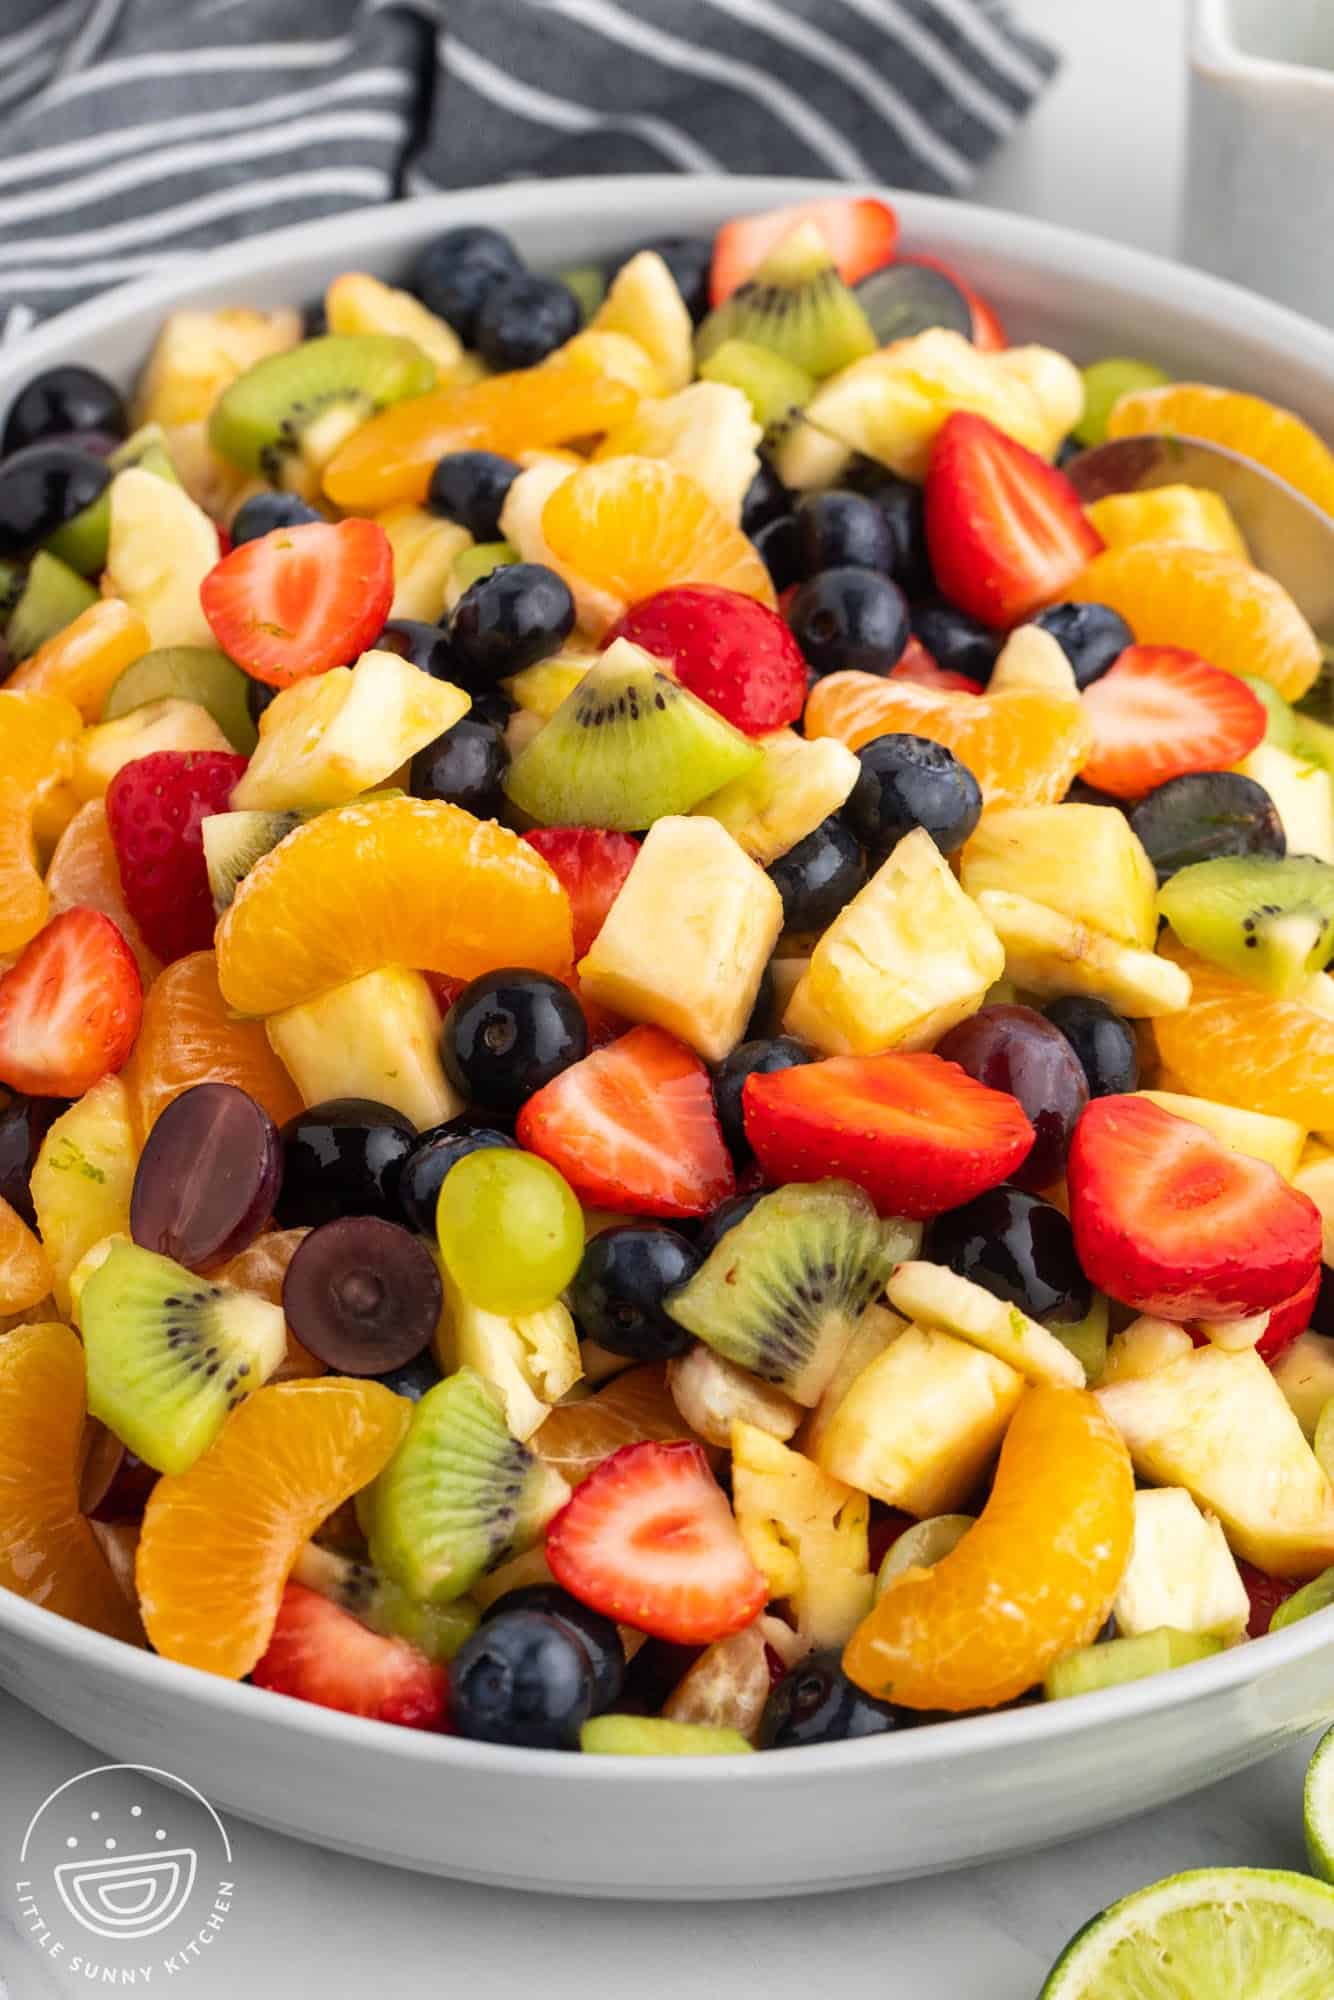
x: 797, y: 784
x: 333, y: 735
x: 532, y: 1360
x: 1048, y: 953
x: 909, y: 958
x: 877, y: 1328
x: 377, y: 1037
x: 357, y: 303
x: 542, y: 688
x: 1317, y: 1183
x: 199, y: 354
x: 1218, y: 1424
x: 160, y: 548
x: 930, y: 1295
x: 1083, y: 861
x: 1031, y: 658
x: 686, y: 942
x: 521, y: 525
x: 918, y: 1427
x: 159, y: 725
x: 1056, y: 385
x: 424, y: 550
x: 1303, y: 794
x: 605, y: 352
x: 1168, y: 514
x: 707, y: 431
x: 712, y: 1393
x: 1305, y: 1374
x: 729, y: 1684
x: 806, y: 1531
x: 1256, y: 1133
x: 1143, y: 1347
x: 82, y: 1178
x: 643, y: 301
x: 1181, y: 1571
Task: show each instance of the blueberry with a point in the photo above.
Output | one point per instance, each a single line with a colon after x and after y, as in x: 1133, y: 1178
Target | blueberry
x: 524, y: 1678
x: 23, y: 1126
x: 1104, y: 1042
x: 1203, y: 815
x: 342, y: 1157
x: 427, y: 646
x: 818, y: 876
x: 907, y: 782
x: 464, y: 767
x: 1018, y: 1248
x: 900, y: 502
x: 455, y: 273
x: 688, y: 258
x: 842, y: 530
x: 815, y: 1702
x: 764, y: 1003
x: 850, y: 618
x: 258, y: 695
x: 778, y: 547
x: 314, y: 320
x: 509, y: 1033
x: 506, y: 621
x: 41, y: 488
x: 436, y: 1150
x: 759, y: 1058
x: 470, y: 487
x: 414, y: 1378
x: 599, y: 1635
x: 524, y: 319
x: 263, y: 512
x: 1066, y: 451
x: 961, y: 644
x: 712, y: 1230
x: 766, y: 499
x: 60, y: 400
x: 618, y: 1291
x: 1092, y: 637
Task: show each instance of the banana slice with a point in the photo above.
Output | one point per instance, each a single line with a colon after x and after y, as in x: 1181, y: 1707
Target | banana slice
x: 1031, y: 658
x: 930, y: 1295
x: 160, y: 549
x: 521, y: 526
x: 711, y: 1393
x: 1047, y: 954
x: 644, y: 302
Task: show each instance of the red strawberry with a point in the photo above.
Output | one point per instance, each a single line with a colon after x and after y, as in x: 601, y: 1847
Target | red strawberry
x: 633, y: 1127
x: 1005, y: 530
x: 916, y: 1132
x: 648, y: 1539
x: 734, y: 654
x: 1266, y: 1593
x: 321, y: 1653
x: 591, y: 865
x: 1159, y: 712
x: 300, y: 600
x: 861, y: 235
x: 988, y: 333
x: 444, y: 990
x: 916, y: 664
x: 1172, y: 1222
x: 69, y: 1007
x: 155, y: 809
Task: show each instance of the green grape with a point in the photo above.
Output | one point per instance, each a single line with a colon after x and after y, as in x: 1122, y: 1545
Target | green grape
x: 510, y: 1229
x: 478, y: 560
x: 1105, y: 382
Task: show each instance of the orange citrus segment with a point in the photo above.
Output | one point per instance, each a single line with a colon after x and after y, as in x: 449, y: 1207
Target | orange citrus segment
x: 388, y: 882
x: 1209, y: 602
x: 48, y: 1552
x: 1033, y: 1579
x: 219, y: 1540
x: 1274, y: 437
x: 83, y: 662
x: 634, y: 1407
x: 636, y: 525
x: 1245, y: 1047
x: 37, y: 735
x: 261, y: 1267
x: 1022, y: 745
x: 188, y: 1036
x: 25, y: 1274
x: 24, y: 901
x: 83, y: 870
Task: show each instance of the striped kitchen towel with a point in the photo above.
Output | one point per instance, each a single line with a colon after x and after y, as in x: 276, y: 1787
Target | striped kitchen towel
x: 135, y: 134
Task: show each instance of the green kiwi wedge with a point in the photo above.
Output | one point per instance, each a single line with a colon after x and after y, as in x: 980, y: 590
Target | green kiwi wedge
x: 797, y: 306
x: 1269, y: 919
x: 200, y: 674
x: 13, y: 576
x: 438, y: 1630
x: 82, y: 541
x: 270, y: 413
x: 235, y: 841
x: 170, y: 1354
x: 1116, y: 1661
x: 1280, y: 720
x: 655, y: 1736
x: 774, y: 386
x: 783, y: 1289
x: 460, y: 1495
x: 53, y: 596
x: 626, y: 746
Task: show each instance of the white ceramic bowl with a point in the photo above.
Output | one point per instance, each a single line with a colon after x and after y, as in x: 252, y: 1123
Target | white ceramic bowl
x: 776, y: 1824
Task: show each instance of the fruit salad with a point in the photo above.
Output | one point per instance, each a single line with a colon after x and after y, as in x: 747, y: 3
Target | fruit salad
x: 666, y: 1062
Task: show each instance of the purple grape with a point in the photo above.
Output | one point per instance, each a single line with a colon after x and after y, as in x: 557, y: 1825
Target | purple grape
x: 208, y: 1176
x: 1017, y: 1050
x: 23, y: 1126
x: 363, y: 1295
x: 115, y: 1484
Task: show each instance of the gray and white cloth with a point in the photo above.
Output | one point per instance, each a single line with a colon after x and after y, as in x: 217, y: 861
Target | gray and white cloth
x: 135, y: 134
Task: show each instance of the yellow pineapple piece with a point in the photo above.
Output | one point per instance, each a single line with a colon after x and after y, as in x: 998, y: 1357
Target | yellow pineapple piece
x: 806, y: 1531
x: 376, y: 1037
x: 168, y: 724
x: 1168, y: 514
x: 198, y: 354
x: 1303, y: 794
x: 425, y: 548
x: 1031, y: 658
x: 161, y: 547
x: 1256, y: 1133
x: 532, y: 1359
x: 357, y: 303
x: 798, y: 783
x: 1316, y: 1180
x: 542, y: 688
x: 1081, y: 860
x: 876, y: 1330
x: 1305, y: 1374
x: 643, y: 302
x: 930, y: 1295
x: 1055, y: 383
x: 1143, y: 1347
x: 1181, y: 1571
x: 82, y: 1178
x: 1048, y: 953
x: 712, y: 1393
x: 605, y: 352
x: 706, y: 430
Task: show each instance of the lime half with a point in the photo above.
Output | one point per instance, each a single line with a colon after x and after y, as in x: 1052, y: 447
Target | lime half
x: 1214, y: 1934
x: 1318, y: 1809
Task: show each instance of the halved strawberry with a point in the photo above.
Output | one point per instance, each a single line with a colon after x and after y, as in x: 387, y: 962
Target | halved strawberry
x: 988, y: 333
x: 861, y: 234
x: 1169, y: 1220
x: 649, y: 1539
x: 321, y: 1653
x: 1005, y: 530
x: 916, y: 1132
x: 916, y: 664
x: 156, y: 808
x: 591, y: 865
x: 738, y: 656
x: 1159, y: 712
x: 633, y: 1128
x: 1266, y: 1593
x: 300, y: 600
x: 69, y: 1007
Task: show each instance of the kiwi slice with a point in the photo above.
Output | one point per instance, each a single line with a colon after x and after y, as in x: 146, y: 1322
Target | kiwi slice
x: 169, y: 1354
x: 269, y: 413
x: 796, y: 305
x: 82, y: 541
x: 627, y: 746
x: 147, y: 448
x: 460, y: 1495
x: 1269, y: 919
x: 1280, y: 720
x: 1118, y: 1660
x: 12, y: 579
x: 52, y: 598
x: 200, y: 674
x: 235, y: 841
x: 655, y: 1736
x: 438, y: 1630
x: 783, y: 1290
x: 775, y: 386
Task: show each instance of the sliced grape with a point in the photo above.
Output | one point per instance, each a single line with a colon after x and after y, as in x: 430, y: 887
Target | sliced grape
x: 208, y: 1176
x: 363, y: 1295
x: 115, y: 1484
x: 903, y: 299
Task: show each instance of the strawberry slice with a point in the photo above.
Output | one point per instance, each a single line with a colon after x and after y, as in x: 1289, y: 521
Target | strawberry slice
x: 1172, y: 1222
x: 1266, y: 1593
x: 298, y: 601
x: 1159, y: 712
x: 649, y: 1539
x: 633, y: 1128
x: 916, y: 1132
x: 321, y: 1653
x: 69, y: 1007
x: 738, y: 656
x: 156, y: 808
x: 592, y: 865
x: 861, y: 235
x: 988, y: 333
x: 916, y: 664
x: 1005, y: 530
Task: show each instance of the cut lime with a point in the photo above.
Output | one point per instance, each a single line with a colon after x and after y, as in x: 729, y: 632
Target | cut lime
x: 1318, y: 1808
x: 1213, y: 1934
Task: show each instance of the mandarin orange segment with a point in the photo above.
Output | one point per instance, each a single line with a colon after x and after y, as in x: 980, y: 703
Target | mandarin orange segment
x: 1023, y: 745
x: 218, y: 1541
x: 37, y: 737
x: 261, y: 1267
x: 24, y: 901
x: 189, y: 1035
x: 84, y: 871
x: 1212, y: 603
x: 1245, y: 1047
x: 635, y: 525
x: 1033, y: 1579
x: 633, y: 1407
x: 388, y: 882
x: 1272, y: 436
x: 48, y: 1552
x: 83, y: 662
x: 25, y: 1272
